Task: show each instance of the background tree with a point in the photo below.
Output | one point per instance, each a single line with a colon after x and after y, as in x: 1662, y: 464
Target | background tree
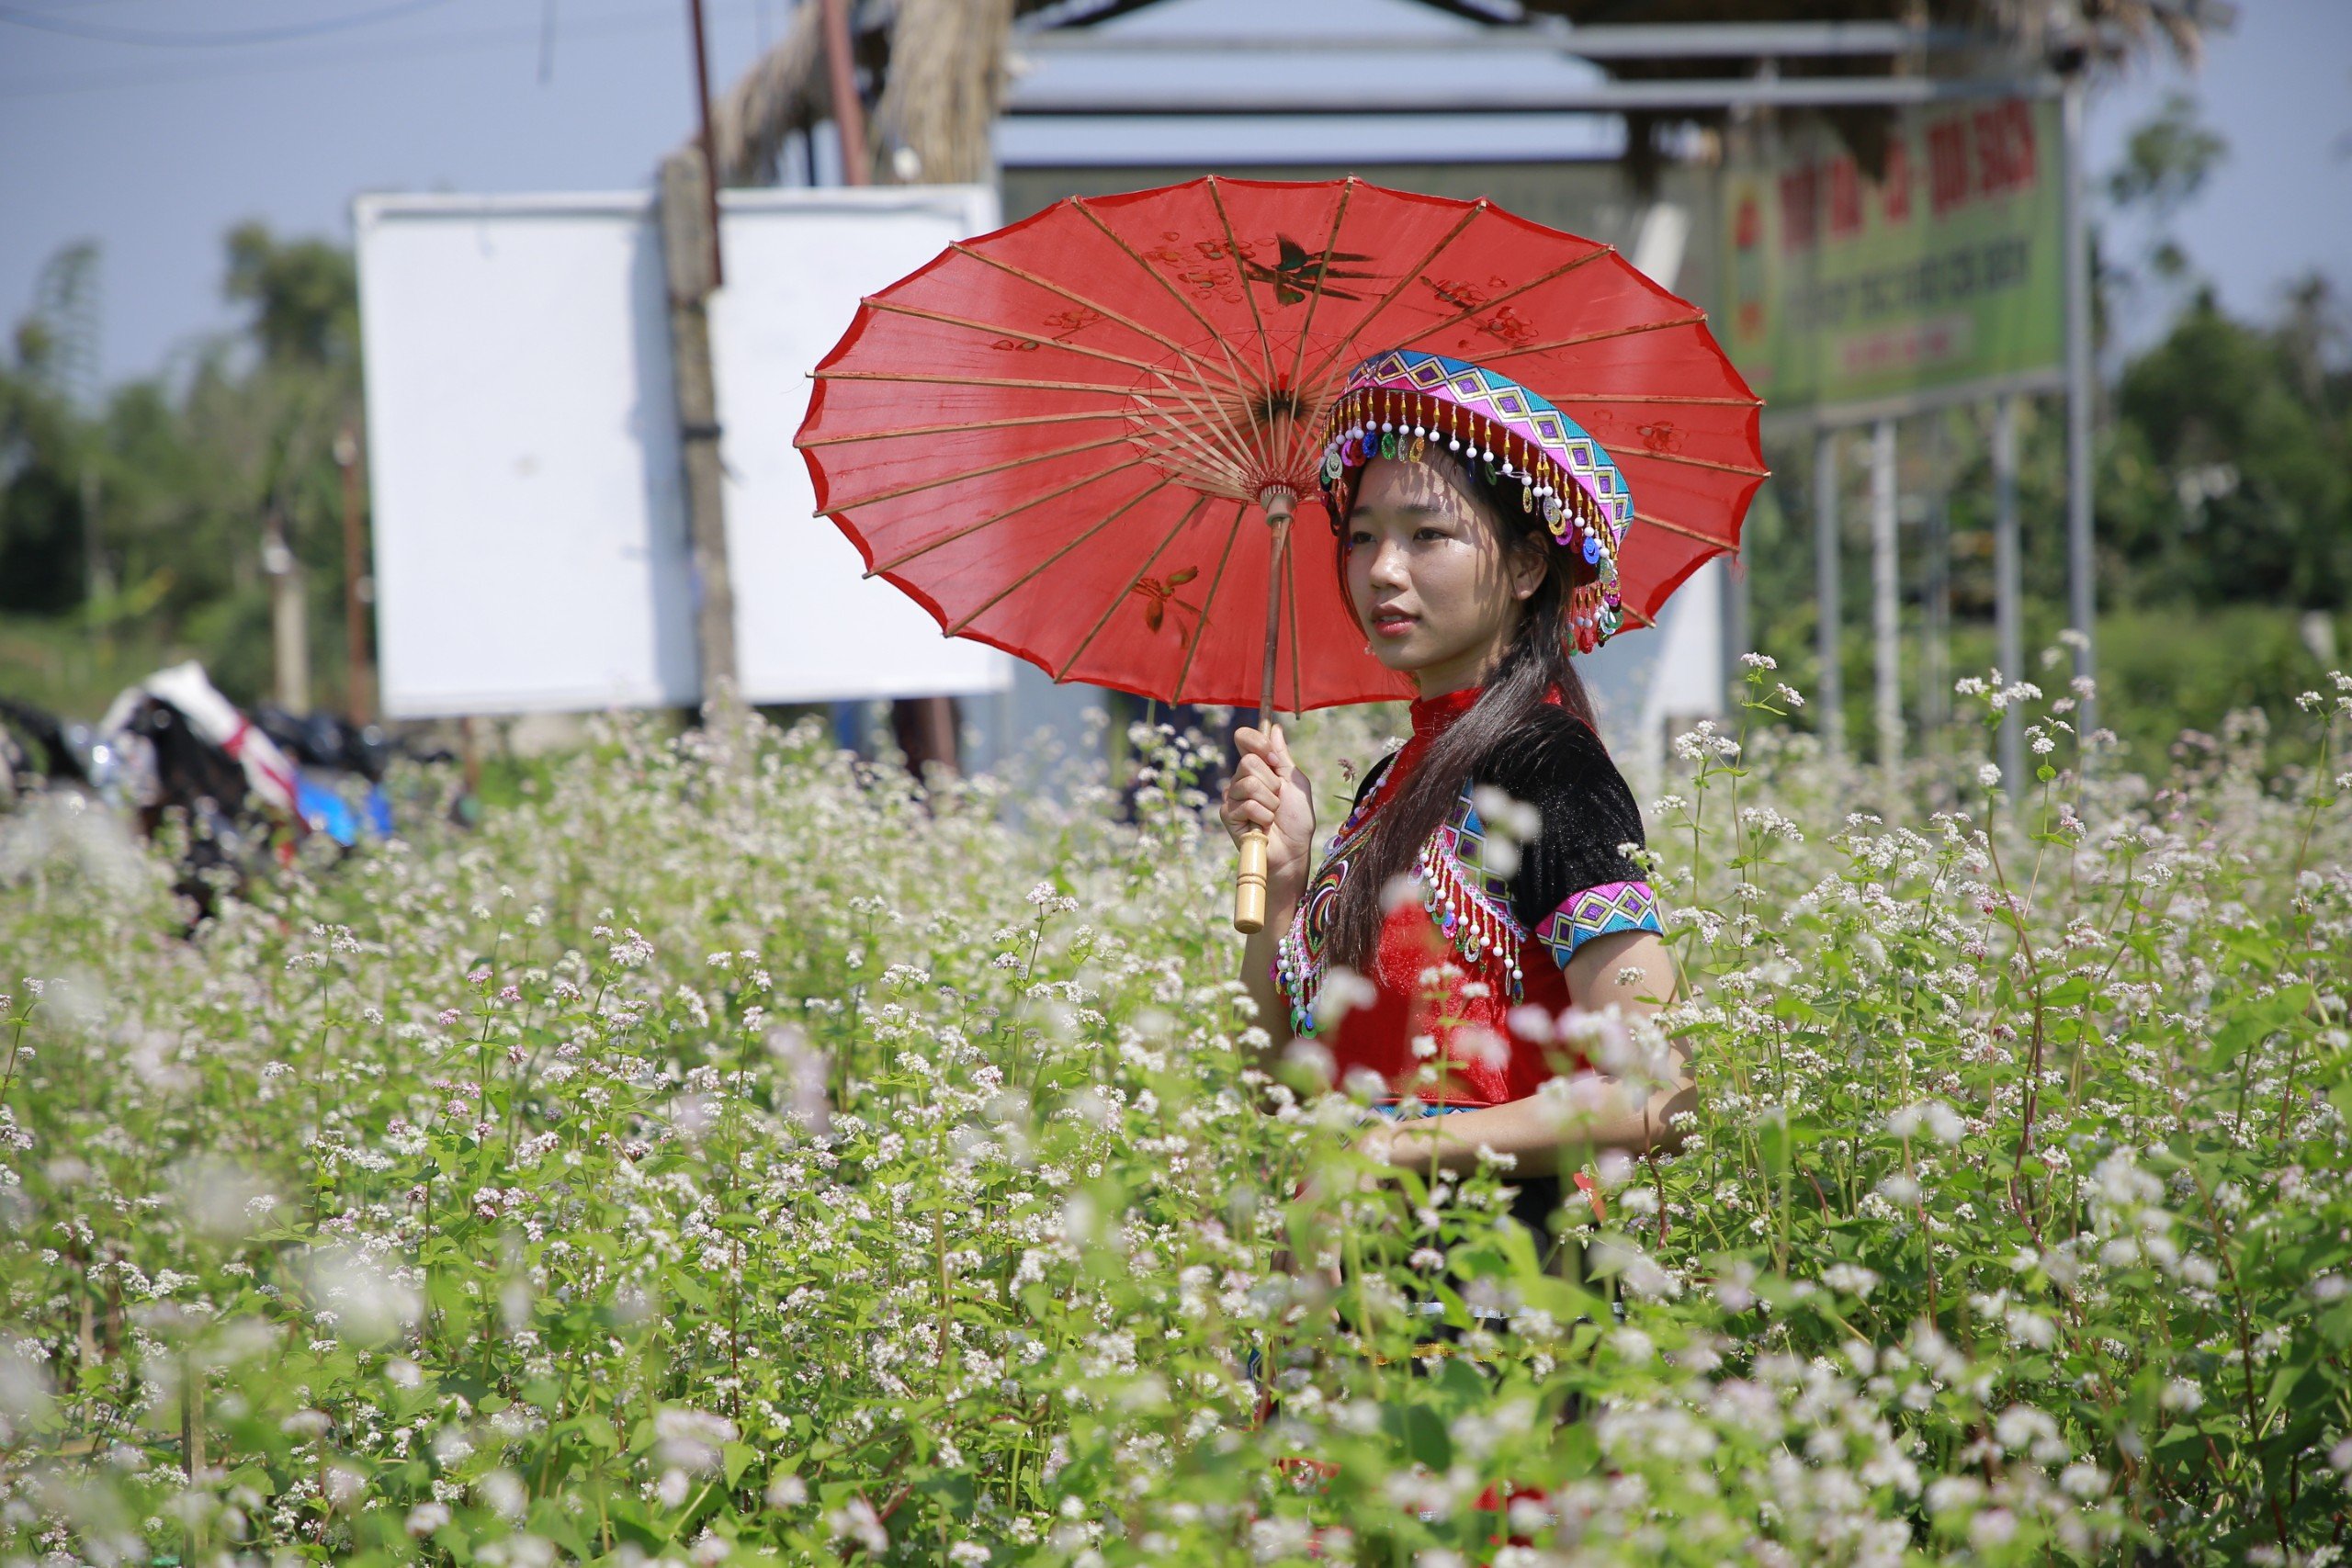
x: 43, y: 449
x: 190, y: 467
x: 2166, y: 160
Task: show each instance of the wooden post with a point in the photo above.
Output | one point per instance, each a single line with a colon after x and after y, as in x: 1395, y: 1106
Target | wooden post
x: 687, y: 243
x: 470, y: 752
x: 289, y: 637
x: 358, y: 589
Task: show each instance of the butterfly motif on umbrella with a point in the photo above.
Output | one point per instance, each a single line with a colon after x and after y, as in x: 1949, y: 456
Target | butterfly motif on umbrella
x: 1298, y: 273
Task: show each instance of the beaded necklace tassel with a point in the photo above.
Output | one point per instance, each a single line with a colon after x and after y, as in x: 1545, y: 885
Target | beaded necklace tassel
x: 1482, y: 941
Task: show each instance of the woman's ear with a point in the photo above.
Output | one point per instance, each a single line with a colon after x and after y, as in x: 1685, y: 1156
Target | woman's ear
x: 1529, y: 559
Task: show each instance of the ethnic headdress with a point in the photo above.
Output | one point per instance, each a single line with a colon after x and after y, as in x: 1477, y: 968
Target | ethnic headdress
x: 1407, y: 404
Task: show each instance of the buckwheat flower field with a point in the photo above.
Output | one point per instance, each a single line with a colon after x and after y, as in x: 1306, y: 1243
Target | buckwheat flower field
x: 729, y: 1156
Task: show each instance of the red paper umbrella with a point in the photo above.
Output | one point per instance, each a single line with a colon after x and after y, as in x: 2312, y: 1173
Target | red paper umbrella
x: 1080, y: 438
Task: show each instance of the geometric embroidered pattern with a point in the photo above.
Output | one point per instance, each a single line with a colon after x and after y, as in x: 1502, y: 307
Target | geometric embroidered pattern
x: 1598, y: 911
x: 1299, y: 954
x: 1479, y: 390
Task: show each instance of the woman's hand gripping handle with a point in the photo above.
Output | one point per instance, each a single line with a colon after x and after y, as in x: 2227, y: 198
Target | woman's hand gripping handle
x: 1270, y: 810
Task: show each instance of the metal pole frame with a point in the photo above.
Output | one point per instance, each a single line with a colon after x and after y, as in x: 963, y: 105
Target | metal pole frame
x: 2082, y: 594
x: 1831, y: 691
x: 1935, y: 649
x: 1317, y: 96
x: 1667, y: 40
x: 2007, y: 586
x: 1886, y: 601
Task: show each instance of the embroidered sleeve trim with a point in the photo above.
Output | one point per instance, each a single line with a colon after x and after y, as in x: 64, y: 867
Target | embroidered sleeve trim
x: 1598, y: 912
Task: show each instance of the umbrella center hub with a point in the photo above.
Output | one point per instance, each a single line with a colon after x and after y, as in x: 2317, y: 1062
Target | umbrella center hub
x: 1224, y: 437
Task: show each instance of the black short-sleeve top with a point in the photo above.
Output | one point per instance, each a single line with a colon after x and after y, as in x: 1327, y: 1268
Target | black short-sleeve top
x: 1536, y: 858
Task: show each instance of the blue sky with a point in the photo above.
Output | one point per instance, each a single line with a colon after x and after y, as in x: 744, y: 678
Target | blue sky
x: 155, y: 150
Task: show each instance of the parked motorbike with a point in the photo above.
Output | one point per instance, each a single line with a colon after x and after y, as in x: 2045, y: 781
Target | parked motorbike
x: 38, y: 751
x: 176, y: 747
x: 339, y: 789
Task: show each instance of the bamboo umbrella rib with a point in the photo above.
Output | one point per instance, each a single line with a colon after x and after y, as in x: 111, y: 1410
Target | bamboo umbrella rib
x: 1649, y: 521
x: 1208, y: 601
x: 1184, y: 356
x: 895, y: 562
x: 1217, y: 337
x: 1167, y: 421
x: 1696, y: 318
x: 979, y: 473
x: 1633, y: 615
x: 1075, y: 297
x: 1646, y: 456
x: 1212, y: 458
x: 1249, y: 296
x: 1121, y: 597
x: 1038, y: 567
x: 1200, y: 441
x: 1404, y: 281
x: 910, y: 431
x: 892, y: 307
x: 1290, y: 591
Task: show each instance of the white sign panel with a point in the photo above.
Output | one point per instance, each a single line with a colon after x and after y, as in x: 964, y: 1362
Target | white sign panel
x: 797, y: 263
x: 530, y: 536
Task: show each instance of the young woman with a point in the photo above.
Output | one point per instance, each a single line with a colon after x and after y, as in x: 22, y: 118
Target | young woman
x: 1482, y: 884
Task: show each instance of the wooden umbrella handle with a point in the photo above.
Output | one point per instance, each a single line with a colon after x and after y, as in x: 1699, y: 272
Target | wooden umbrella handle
x: 1249, y: 884
x: 1249, y: 877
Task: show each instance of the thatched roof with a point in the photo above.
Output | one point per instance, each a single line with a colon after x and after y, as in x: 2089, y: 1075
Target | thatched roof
x: 942, y: 67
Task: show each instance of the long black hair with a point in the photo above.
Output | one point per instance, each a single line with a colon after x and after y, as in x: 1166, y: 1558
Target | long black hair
x: 1535, y: 665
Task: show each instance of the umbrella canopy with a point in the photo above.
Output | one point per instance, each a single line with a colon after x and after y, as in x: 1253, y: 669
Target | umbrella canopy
x: 1061, y: 438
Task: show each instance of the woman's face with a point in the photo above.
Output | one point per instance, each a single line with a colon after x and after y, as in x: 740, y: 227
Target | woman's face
x: 1431, y: 578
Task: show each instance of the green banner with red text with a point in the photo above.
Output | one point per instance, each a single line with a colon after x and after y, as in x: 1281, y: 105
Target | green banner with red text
x: 1943, y: 278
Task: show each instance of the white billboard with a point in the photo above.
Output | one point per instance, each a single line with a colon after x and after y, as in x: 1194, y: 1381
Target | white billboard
x: 530, y: 533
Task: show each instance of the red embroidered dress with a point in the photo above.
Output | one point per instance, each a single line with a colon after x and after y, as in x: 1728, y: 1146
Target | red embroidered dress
x: 1454, y: 962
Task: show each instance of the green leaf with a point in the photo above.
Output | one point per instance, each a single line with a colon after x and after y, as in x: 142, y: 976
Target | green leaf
x: 737, y: 1458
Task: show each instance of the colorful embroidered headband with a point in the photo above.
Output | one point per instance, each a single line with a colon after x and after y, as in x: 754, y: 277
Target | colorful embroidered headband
x: 1395, y: 404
